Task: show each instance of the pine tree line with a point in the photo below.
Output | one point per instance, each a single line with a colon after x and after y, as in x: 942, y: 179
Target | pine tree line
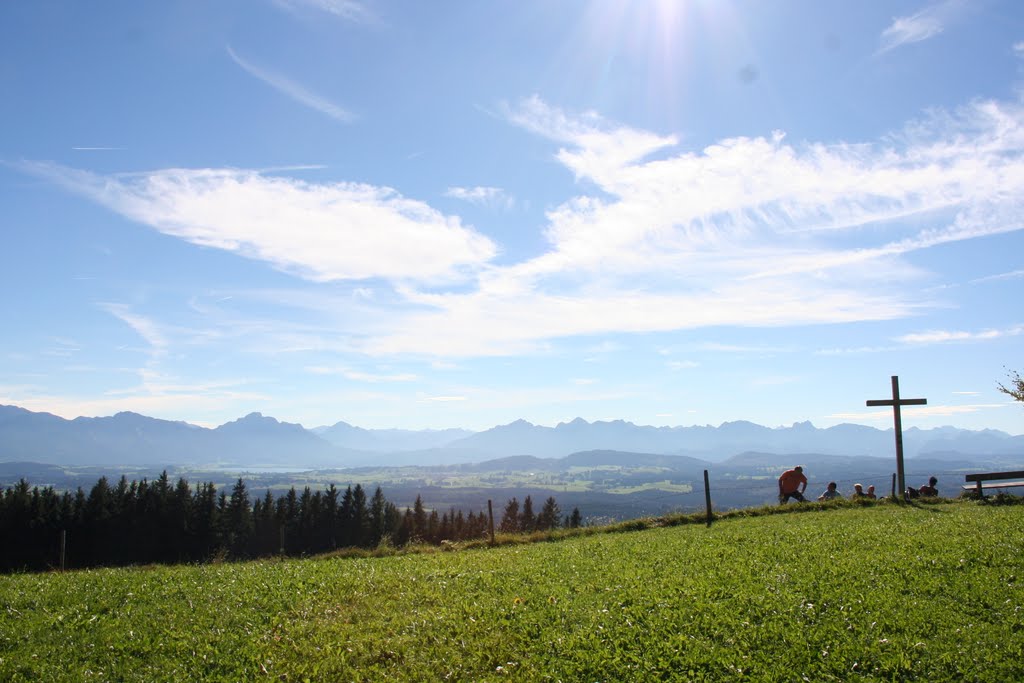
x: 157, y: 522
x: 516, y: 520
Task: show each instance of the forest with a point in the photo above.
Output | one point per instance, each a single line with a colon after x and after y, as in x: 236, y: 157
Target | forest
x: 143, y: 522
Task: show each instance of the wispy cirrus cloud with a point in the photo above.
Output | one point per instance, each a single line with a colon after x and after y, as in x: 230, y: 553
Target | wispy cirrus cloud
x: 345, y: 9
x: 293, y: 90
x: 922, y: 25
x: 951, y: 336
x: 482, y: 196
x: 360, y: 376
x: 853, y: 350
x: 885, y: 416
x: 321, y: 232
x: 145, y: 327
x: 1011, y: 275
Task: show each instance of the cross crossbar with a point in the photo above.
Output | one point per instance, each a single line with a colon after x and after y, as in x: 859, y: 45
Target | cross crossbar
x: 902, y: 402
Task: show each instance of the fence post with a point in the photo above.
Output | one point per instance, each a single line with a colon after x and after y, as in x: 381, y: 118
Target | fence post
x: 893, y: 484
x: 63, y: 547
x: 490, y: 519
x: 707, y: 496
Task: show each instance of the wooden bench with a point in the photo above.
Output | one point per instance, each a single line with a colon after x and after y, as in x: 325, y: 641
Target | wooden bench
x: 980, y: 487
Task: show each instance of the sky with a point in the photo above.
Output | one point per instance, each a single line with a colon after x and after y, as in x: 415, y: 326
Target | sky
x: 433, y: 215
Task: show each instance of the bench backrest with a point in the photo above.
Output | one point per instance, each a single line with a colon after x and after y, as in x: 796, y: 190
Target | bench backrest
x: 986, y: 476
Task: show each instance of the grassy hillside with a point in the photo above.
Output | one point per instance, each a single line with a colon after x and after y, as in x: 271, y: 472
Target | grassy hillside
x: 926, y: 593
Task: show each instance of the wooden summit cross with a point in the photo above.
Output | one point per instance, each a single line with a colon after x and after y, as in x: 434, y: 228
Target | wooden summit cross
x: 896, y: 402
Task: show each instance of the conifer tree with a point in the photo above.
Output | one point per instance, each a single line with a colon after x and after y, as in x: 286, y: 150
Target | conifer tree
x: 527, y: 519
x: 419, y: 520
x: 405, y: 529
x: 510, y: 518
x: 360, y: 518
x: 345, y: 515
x: 378, y: 520
x: 239, y: 525
x: 329, y: 517
x: 267, y: 531
x: 549, y: 515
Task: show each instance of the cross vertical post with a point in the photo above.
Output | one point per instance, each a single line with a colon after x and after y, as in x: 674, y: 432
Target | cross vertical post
x: 896, y: 402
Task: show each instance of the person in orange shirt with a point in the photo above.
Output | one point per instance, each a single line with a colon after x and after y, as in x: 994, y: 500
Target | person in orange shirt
x: 792, y: 484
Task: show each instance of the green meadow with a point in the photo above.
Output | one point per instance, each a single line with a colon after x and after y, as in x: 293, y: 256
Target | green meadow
x: 875, y: 593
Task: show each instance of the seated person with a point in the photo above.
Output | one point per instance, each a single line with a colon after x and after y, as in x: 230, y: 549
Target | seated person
x: 858, y: 491
x: 929, y: 490
x: 830, y: 493
x: 871, y: 492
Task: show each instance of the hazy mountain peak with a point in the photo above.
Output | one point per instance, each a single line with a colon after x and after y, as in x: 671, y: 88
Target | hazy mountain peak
x: 254, y: 420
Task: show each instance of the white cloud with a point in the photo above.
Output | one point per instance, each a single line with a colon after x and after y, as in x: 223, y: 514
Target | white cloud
x: 749, y: 231
x: 443, y: 399
x: 920, y: 26
x: 62, y: 347
x: 321, y: 232
x: 853, y: 350
x: 171, y: 401
x: 885, y: 416
x: 1012, y: 275
x: 483, y: 196
x: 143, y: 326
x: 294, y: 90
x: 359, y: 376
x: 912, y: 29
x: 718, y: 347
x: 947, y: 336
x: 345, y: 9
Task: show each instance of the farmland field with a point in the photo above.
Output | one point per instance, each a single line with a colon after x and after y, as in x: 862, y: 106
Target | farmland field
x: 928, y: 593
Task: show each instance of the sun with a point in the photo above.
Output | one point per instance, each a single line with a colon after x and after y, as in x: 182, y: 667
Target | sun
x: 629, y: 53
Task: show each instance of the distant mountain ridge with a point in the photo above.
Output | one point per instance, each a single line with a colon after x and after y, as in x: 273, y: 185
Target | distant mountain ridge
x: 716, y: 444
x: 388, y: 440
x: 262, y: 441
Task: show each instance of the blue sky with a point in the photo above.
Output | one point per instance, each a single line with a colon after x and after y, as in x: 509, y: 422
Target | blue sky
x: 431, y: 215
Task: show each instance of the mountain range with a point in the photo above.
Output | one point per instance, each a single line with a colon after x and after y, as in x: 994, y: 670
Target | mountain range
x: 259, y: 441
